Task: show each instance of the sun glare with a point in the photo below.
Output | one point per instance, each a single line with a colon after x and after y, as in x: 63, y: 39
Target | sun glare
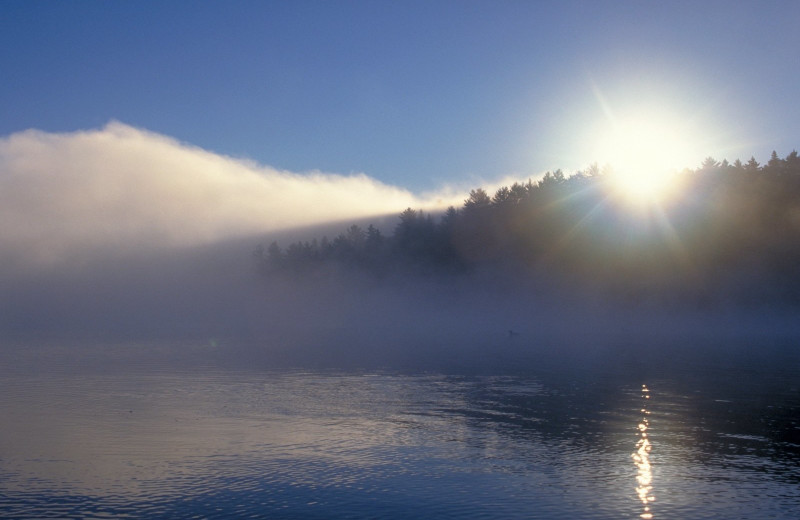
x: 644, y: 152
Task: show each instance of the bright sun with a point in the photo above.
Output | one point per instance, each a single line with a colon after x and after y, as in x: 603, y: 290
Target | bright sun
x: 644, y: 151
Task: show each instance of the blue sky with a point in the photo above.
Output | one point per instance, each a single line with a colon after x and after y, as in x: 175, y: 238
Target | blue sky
x: 413, y: 94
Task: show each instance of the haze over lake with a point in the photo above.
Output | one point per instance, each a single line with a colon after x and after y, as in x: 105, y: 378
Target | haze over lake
x: 399, y: 260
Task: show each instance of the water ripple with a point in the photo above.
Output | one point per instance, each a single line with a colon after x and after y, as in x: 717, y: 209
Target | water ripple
x: 216, y: 444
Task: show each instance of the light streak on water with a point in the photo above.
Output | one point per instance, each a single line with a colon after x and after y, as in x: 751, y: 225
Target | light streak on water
x: 641, y: 457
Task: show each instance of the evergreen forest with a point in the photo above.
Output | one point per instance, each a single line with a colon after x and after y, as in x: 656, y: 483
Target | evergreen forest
x: 731, y: 233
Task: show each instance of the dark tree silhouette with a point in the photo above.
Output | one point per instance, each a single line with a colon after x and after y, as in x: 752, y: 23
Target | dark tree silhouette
x: 733, y: 233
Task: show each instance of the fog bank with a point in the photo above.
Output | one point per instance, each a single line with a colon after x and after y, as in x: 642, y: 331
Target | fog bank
x: 65, y: 197
x: 213, y: 299
x: 121, y: 235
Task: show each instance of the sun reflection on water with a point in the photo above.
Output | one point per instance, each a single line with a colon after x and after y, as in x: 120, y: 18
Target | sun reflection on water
x: 641, y: 457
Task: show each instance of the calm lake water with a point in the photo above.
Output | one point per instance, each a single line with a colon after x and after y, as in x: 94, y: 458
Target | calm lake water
x: 133, y: 432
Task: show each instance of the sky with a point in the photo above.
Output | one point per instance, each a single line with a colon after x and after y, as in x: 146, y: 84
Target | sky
x: 131, y: 124
x: 417, y: 95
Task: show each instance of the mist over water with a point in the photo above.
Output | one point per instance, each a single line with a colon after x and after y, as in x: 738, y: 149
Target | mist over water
x: 120, y: 233
x: 149, y: 368
x: 183, y: 382
x: 216, y: 294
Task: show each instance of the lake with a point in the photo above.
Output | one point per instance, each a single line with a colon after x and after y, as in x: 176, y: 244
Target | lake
x: 187, y: 431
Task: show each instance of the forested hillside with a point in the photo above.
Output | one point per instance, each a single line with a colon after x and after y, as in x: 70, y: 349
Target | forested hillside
x: 729, y: 232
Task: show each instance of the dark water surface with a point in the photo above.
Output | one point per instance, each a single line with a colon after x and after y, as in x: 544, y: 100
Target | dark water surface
x: 141, y: 435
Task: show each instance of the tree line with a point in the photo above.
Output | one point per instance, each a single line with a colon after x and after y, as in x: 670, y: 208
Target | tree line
x: 733, y: 231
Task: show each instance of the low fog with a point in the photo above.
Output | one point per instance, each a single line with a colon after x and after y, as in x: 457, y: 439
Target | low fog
x: 212, y: 301
x: 65, y: 198
x: 123, y: 235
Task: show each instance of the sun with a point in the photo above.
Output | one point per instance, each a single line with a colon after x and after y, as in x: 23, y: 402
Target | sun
x: 644, y: 151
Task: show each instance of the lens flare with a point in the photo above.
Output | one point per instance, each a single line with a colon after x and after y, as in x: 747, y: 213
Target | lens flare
x: 643, y: 153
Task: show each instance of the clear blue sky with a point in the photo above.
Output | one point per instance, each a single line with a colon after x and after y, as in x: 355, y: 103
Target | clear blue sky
x: 414, y: 94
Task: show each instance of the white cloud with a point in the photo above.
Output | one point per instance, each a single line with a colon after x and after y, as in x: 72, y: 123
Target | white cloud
x: 62, y: 195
